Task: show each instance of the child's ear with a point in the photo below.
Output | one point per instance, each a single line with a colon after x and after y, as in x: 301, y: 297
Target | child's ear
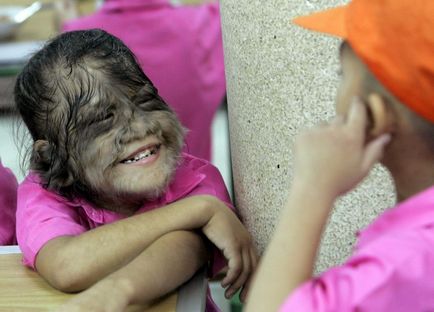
x: 54, y: 166
x: 381, y: 116
x: 42, y: 151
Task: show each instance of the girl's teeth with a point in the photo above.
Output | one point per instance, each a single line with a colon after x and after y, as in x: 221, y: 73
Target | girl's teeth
x: 141, y: 156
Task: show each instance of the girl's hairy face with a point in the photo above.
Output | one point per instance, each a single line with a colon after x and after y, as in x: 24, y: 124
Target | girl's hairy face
x: 125, y: 148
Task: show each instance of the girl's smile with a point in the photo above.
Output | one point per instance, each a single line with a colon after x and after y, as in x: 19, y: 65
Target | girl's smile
x: 146, y: 154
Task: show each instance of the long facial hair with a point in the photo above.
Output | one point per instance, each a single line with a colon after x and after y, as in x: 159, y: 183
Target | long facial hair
x: 103, y: 130
x: 71, y: 74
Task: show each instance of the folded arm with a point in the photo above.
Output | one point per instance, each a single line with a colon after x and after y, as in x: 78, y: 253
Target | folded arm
x: 73, y: 263
x: 165, y: 265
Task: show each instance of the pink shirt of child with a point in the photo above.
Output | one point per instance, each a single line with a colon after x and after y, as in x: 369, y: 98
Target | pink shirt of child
x: 8, y: 204
x: 43, y: 215
x: 392, y: 268
x: 180, y: 49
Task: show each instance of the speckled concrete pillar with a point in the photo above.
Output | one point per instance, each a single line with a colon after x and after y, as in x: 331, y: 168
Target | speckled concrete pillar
x: 282, y: 79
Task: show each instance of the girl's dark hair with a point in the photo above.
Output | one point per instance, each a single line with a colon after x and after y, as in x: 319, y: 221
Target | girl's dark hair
x: 57, y: 81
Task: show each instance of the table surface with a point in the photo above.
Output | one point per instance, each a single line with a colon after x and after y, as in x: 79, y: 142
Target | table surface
x: 24, y: 290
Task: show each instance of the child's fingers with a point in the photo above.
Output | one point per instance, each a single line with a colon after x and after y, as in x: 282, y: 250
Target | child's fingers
x: 242, y: 278
x: 357, y: 117
x: 254, y: 263
x: 246, y: 287
x: 337, y: 120
x: 374, y: 151
x: 235, y: 263
x: 254, y: 257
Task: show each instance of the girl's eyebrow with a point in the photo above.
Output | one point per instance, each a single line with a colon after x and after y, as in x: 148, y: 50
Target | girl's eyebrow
x: 91, y: 112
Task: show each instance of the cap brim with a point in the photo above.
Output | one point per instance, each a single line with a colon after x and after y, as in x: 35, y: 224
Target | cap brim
x: 331, y: 21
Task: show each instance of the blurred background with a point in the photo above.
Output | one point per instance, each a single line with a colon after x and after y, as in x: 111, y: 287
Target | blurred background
x: 25, y: 26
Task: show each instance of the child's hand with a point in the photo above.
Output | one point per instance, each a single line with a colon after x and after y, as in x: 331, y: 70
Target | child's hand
x: 226, y: 231
x: 334, y: 158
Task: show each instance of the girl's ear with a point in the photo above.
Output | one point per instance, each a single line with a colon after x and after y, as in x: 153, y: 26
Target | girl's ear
x: 42, y: 152
x: 52, y: 165
x: 381, y: 115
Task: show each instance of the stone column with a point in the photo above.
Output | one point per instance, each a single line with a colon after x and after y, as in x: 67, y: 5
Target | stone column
x: 282, y: 79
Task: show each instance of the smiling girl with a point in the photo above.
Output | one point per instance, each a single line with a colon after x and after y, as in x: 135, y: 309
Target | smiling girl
x: 110, y: 200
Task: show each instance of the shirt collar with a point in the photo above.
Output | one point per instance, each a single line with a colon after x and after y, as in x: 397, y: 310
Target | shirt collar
x: 417, y: 211
x: 115, y: 5
x: 184, y: 181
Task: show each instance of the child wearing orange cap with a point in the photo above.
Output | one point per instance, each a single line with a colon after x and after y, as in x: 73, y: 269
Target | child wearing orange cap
x: 385, y: 107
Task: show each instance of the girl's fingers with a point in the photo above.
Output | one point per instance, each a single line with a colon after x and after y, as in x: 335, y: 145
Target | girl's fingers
x: 235, y: 263
x: 246, y: 287
x: 254, y: 258
x: 254, y: 263
x: 242, y: 278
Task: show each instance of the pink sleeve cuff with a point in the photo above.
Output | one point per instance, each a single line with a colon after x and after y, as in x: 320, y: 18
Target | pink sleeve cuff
x: 34, y: 244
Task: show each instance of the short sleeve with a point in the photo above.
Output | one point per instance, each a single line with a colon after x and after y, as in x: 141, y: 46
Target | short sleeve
x: 42, y: 216
x: 212, y: 184
x: 394, y: 273
x: 8, y: 203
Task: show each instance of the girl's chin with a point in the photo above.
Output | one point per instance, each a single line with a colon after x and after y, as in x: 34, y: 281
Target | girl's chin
x: 140, y: 186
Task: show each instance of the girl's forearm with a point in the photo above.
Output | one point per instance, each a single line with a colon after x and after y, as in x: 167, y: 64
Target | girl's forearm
x: 165, y: 265
x: 75, y: 263
x: 290, y: 256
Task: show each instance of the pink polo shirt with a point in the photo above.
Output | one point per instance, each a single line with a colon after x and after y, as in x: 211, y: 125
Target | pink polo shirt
x: 43, y: 215
x: 391, y: 269
x: 180, y: 49
x: 8, y: 204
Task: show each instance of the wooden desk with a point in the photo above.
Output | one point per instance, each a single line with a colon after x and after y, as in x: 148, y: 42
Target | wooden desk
x: 21, y: 289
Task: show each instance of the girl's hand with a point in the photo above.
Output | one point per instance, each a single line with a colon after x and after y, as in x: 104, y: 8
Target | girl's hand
x: 334, y: 158
x: 228, y: 234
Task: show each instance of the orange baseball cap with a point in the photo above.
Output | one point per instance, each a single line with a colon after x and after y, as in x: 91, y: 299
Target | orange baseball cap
x: 394, y: 38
